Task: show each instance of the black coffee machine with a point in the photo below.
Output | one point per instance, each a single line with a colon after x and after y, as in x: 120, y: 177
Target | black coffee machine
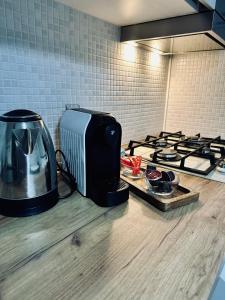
x: 91, y: 143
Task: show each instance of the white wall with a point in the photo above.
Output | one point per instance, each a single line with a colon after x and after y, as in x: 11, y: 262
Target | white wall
x: 52, y: 55
x: 196, y: 101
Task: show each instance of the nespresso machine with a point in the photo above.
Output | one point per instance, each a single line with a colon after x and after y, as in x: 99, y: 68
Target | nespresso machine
x: 91, y: 143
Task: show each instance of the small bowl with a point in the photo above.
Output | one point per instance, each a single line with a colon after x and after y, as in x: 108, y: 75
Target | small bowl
x: 164, y: 185
x: 131, y: 166
x: 132, y: 172
x: 153, y: 176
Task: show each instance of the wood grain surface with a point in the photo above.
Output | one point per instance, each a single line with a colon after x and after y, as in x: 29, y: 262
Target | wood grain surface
x: 78, y: 250
x: 180, y: 197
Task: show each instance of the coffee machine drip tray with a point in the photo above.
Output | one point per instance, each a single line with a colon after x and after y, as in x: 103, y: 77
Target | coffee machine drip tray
x: 103, y: 197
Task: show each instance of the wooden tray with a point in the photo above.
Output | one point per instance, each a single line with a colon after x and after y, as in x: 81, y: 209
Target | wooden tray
x: 181, y: 196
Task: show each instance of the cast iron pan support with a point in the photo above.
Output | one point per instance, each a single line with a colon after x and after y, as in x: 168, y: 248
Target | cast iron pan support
x: 211, y: 158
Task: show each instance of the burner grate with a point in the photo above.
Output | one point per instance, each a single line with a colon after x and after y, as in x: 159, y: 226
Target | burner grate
x: 210, y: 149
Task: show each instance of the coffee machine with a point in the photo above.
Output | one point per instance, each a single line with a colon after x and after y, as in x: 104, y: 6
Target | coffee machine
x: 91, y: 143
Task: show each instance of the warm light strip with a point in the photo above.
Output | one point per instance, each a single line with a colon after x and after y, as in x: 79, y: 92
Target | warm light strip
x: 129, y: 52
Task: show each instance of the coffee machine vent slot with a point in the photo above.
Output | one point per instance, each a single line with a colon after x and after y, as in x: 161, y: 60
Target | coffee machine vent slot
x: 72, y: 147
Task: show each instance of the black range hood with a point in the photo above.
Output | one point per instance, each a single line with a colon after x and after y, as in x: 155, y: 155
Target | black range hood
x: 203, y: 31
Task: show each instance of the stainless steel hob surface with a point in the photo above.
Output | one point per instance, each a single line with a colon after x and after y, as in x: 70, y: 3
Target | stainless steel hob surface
x: 197, y: 155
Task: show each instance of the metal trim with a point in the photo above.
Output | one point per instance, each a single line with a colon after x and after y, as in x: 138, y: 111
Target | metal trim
x: 207, y: 22
x: 212, y: 35
x: 215, y: 38
x: 198, y: 5
x: 176, y: 26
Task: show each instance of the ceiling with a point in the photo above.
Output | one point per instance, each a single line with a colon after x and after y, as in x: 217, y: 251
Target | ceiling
x: 125, y: 12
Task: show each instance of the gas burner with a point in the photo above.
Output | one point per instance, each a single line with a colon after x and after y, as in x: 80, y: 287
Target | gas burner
x: 221, y: 166
x: 168, y: 155
x: 161, y: 143
x: 195, y: 140
x: 206, y: 150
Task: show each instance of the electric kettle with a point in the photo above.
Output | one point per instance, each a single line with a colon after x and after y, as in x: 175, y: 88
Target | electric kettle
x: 28, y: 174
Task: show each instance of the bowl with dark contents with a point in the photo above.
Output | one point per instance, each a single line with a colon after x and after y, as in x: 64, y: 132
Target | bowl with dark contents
x: 161, y: 182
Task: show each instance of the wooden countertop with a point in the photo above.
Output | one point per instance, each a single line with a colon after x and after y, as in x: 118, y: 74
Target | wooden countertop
x: 78, y: 250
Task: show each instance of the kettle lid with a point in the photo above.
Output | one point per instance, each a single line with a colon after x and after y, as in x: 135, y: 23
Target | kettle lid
x: 20, y: 115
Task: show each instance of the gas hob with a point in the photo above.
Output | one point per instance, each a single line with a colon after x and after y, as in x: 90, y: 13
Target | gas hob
x: 196, y: 155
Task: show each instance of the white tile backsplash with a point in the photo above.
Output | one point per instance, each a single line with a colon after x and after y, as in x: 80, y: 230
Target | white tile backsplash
x: 196, y: 101
x: 52, y: 55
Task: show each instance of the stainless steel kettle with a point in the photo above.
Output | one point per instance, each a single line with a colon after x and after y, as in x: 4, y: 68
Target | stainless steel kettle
x: 28, y: 175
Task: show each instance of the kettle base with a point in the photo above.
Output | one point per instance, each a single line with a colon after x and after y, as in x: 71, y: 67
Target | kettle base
x: 28, y: 207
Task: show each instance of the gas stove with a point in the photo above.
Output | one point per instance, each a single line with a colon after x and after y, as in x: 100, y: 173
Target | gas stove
x: 197, y: 155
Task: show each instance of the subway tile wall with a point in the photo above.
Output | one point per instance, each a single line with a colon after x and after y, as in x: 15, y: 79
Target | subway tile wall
x: 197, y: 94
x: 52, y: 55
